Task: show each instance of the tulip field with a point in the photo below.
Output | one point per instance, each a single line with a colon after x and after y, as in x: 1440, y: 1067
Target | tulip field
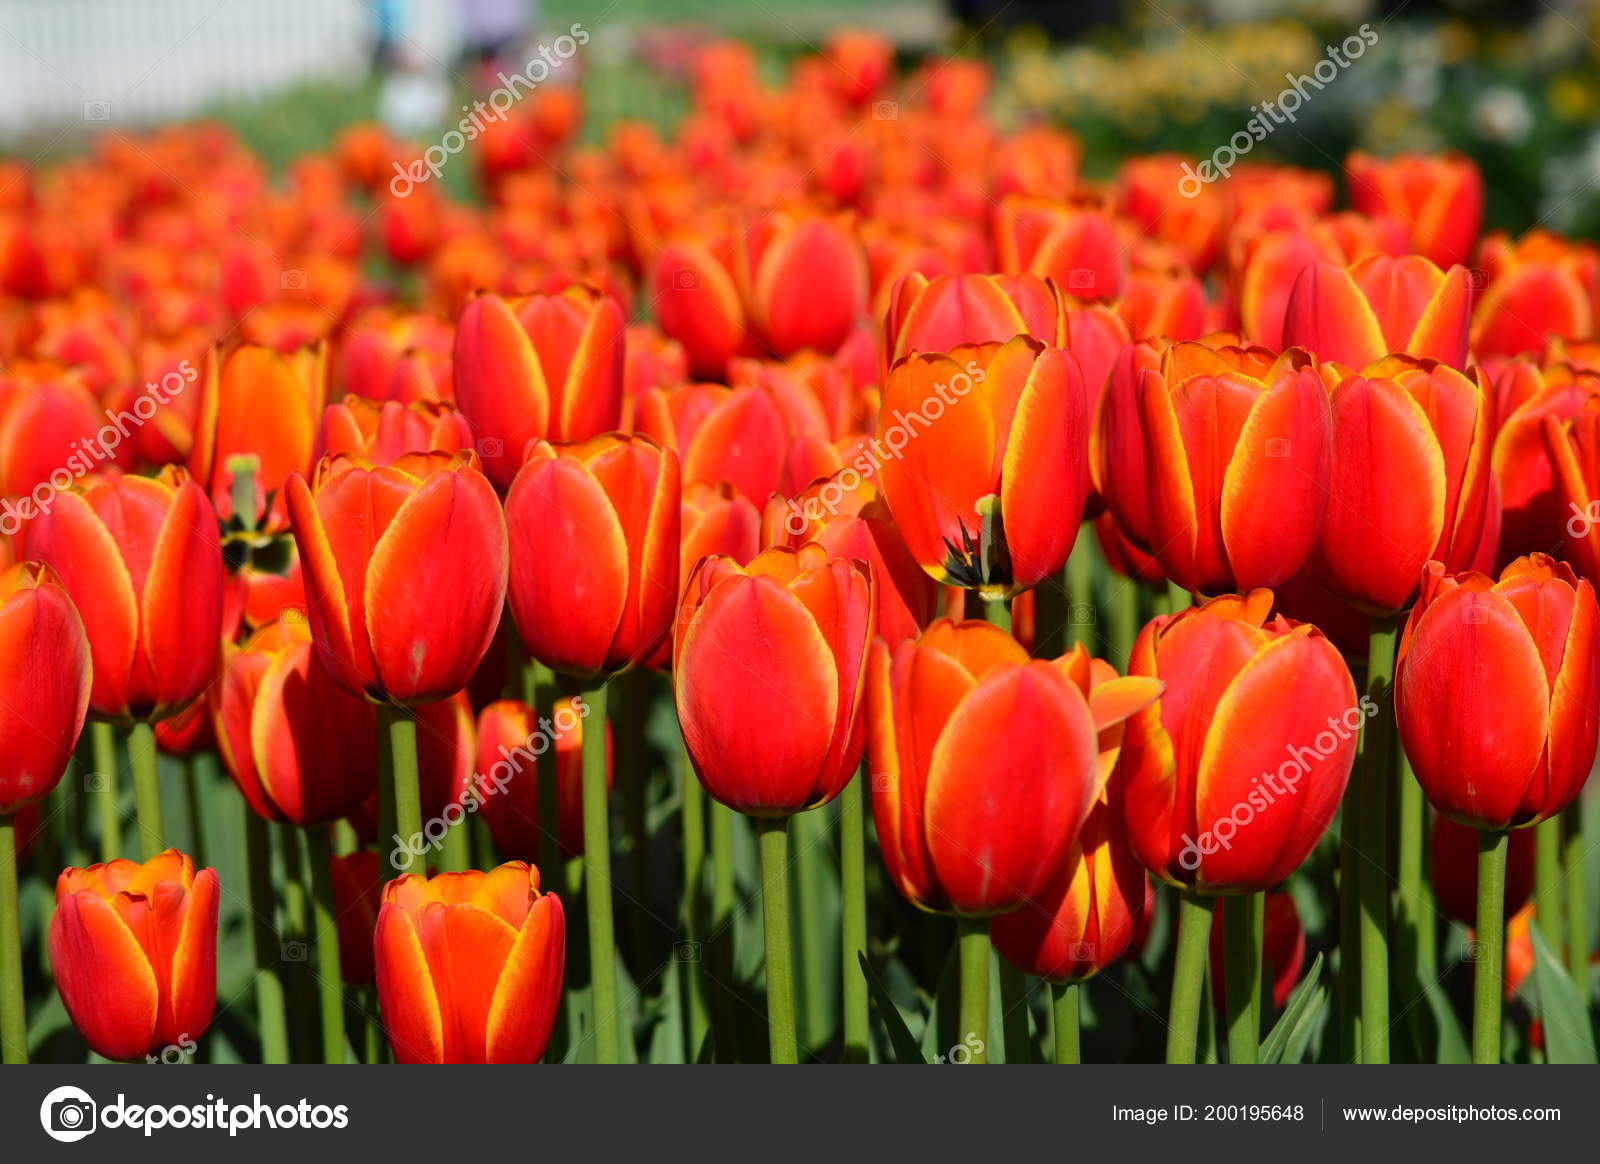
x: 842, y: 577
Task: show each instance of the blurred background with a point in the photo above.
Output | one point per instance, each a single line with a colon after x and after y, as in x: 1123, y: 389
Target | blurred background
x: 1515, y: 85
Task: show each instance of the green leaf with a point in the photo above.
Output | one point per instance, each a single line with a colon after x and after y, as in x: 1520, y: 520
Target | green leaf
x: 905, y: 1047
x: 1304, y: 1007
x: 1568, y: 1037
x: 1452, y: 1045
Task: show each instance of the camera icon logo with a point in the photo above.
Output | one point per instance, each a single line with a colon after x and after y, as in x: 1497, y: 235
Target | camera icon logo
x: 97, y: 111
x: 885, y: 110
x: 491, y: 447
x: 68, y: 1114
x: 1477, y: 278
x: 686, y: 951
x: 1279, y: 447
x: 293, y: 280
x: 1080, y: 279
x: 685, y: 279
x: 1081, y: 614
x: 293, y: 951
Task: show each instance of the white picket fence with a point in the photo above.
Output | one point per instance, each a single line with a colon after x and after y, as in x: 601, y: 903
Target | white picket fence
x: 138, y: 61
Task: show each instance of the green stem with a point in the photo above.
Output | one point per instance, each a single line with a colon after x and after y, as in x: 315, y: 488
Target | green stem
x: 1188, y: 977
x: 998, y: 612
x: 105, y: 787
x: 271, y: 1017
x: 693, y: 828
x: 192, y: 799
x: 146, y: 788
x: 1122, y: 619
x: 1064, y: 1009
x: 294, y: 917
x: 1490, y: 934
x: 1241, y: 952
x: 773, y: 835
x: 1080, y: 598
x: 1014, y: 1013
x: 1547, y: 880
x: 399, y: 726
x: 972, y: 940
x: 1350, y: 924
x: 319, y: 851
x: 808, y: 851
x: 455, y: 854
x: 372, y: 1027
x: 540, y: 691
x: 597, y: 879
x: 1373, y: 856
x: 1410, y: 907
x: 629, y: 711
x: 1577, y: 908
x: 724, y: 1019
x: 13, y: 1012
x: 853, y: 905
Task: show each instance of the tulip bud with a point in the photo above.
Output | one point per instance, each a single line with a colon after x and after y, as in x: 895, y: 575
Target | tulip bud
x: 134, y: 952
x: 405, y: 572
x: 44, y: 683
x: 469, y: 966
x: 511, y: 744
x: 1455, y: 870
x: 1497, y: 691
x: 1234, y: 775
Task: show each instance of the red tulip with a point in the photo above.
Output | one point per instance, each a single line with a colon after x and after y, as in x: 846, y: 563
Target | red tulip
x: 405, y: 572
x: 469, y: 966
x: 44, y: 683
x: 594, y: 536
x: 800, y: 621
x: 986, y: 471
x: 134, y: 952
x: 511, y: 740
x: 1075, y: 246
x: 1381, y: 305
x: 1497, y: 691
x: 1534, y: 512
x: 1410, y: 480
x: 1439, y: 197
x: 142, y: 560
x: 949, y: 311
x: 1088, y: 915
x: 985, y: 764
x: 1236, y: 450
x: 299, y: 746
x: 383, y: 433
x: 1234, y: 775
x: 546, y: 366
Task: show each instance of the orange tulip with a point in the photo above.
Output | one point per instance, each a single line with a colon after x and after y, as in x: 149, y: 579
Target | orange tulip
x: 1088, y: 915
x: 383, y: 433
x: 469, y: 966
x: 986, y: 470
x: 1075, y: 246
x: 801, y: 621
x: 51, y: 427
x: 985, y: 764
x: 1439, y: 197
x: 1234, y: 775
x: 1236, y: 450
x: 134, y: 952
x: 1410, y: 480
x: 142, y: 560
x: 405, y: 572
x: 1540, y: 287
x: 44, y: 682
x: 1378, y: 306
x: 1497, y: 691
x: 594, y: 539
x: 299, y: 746
x: 1534, y: 513
x: 261, y: 408
x: 544, y: 366
x: 939, y: 314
